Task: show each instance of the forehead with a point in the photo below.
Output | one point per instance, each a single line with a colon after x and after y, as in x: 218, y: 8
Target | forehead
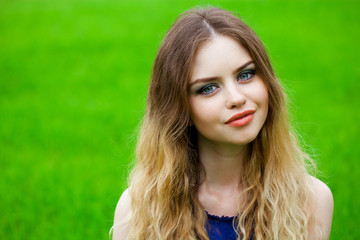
x: 218, y: 56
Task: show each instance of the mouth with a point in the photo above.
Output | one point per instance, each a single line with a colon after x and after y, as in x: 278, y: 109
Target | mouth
x: 241, y: 119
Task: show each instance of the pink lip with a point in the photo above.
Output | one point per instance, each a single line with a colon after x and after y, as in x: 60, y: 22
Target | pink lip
x: 241, y: 119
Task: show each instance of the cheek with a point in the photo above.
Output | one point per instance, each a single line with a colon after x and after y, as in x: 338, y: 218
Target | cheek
x: 261, y: 94
x: 202, y: 112
x: 263, y: 100
x: 193, y: 110
x: 197, y: 115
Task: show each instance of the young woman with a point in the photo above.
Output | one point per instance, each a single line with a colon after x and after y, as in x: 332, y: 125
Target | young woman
x: 216, y: 158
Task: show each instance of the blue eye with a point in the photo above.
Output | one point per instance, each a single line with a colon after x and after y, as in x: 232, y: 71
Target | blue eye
x: 246, y: 75
x: 207, y: 89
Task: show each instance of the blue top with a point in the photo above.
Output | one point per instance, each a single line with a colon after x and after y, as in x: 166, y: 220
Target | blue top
x: 221, y: 228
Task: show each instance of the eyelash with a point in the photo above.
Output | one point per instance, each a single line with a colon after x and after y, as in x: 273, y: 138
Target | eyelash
x: 202, y: 90
x: 252, y: 72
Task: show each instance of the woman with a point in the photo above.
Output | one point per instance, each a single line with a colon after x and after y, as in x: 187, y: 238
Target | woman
x: 216, y: 158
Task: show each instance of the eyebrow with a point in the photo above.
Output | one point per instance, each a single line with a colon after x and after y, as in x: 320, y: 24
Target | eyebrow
x: 209, y: 79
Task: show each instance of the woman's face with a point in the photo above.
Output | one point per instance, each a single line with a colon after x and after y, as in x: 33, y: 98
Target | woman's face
x: 228, y: 100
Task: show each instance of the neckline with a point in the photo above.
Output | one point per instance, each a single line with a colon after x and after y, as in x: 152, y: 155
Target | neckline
x: 219, y: 218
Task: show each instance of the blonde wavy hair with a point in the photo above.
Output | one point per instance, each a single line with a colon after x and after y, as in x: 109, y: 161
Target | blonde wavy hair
x: 165, y: 180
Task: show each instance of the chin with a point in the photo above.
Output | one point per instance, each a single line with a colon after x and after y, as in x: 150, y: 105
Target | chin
x: 248, y: 140
x: 242, y: 141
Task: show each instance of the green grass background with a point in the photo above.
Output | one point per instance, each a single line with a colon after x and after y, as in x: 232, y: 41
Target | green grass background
x: 73, y: 84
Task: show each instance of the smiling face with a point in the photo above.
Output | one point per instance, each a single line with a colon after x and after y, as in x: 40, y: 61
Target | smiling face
x: 228, y: 100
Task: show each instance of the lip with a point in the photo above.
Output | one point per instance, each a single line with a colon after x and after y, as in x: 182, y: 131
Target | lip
x: 241, y: 119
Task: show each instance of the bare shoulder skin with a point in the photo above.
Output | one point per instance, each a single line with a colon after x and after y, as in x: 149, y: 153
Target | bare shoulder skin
x: 122, y: 214
x: 324, y: 207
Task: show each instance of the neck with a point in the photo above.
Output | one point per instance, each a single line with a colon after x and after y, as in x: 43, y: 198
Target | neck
x: 222, y: 163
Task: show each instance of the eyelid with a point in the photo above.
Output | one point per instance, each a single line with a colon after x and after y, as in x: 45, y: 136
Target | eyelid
x: 247, y: 70
x: 211, y: 84
x: 250, y: 70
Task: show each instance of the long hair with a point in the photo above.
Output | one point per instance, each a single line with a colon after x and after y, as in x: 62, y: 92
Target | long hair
x: 166, y: 177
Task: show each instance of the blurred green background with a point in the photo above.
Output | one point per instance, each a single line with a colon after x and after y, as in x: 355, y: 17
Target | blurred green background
x: 73, y: 85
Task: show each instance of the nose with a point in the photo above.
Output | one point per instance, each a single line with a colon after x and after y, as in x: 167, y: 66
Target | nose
x: 234, y: 97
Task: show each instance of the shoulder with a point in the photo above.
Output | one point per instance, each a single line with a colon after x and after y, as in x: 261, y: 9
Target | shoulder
x: 321, y: 188
x: 121, y: 217
x: 324, y: 205
x: 123, y: 205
